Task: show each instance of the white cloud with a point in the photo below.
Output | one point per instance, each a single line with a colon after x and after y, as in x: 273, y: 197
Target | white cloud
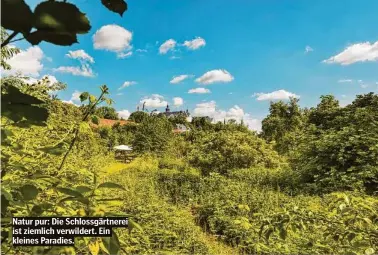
x: 141, y: 50
x: 210, y: 109
x: 195, y: 43
x: 154, y: 101
x: 124, y: 55
x: 199, y: 91
x: 76, y: 95
x: 345, y: 81
x: 127, y: 84
x: 85, y: 70
x: 75, y: 98
x: 81, y: 55
x: 123, y: 114
x: 167, y: 46
x: 179, y: 78
x: 178, y: 101
x: 214, y: 76
x: 113, y: 38
x: 119, y: 94
x: 308, y: 49
x: 27, y: 62
x: 359, y: 52
x: 174, y: 57
x: 275, y: 95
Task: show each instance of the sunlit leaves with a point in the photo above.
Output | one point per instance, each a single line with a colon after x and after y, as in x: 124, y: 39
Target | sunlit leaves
x: 55, y: 150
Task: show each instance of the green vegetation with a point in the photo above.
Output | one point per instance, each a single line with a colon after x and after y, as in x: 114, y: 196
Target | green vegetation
x: 306, y: 185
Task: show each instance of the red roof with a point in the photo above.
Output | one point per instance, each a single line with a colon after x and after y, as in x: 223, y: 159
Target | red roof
x: 110, y: 123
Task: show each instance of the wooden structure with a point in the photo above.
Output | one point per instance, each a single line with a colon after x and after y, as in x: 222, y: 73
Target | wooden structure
x: 124, y: 153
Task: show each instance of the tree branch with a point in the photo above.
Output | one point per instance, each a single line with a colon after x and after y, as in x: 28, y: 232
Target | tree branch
x: 10, y: 37
x: 76, y: 132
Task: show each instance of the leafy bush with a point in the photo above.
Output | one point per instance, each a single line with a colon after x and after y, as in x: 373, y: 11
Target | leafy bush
x: 223, y: 151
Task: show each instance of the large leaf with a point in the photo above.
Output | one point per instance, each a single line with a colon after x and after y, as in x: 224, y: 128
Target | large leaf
x: 15, y: 96
x: 110, y: 185
x: 84, y: 96
x: 32, y: 114
x: 55, y: 37
x: 83, y: 200
x: 70, y: 192
x: 16, y: 15
x: 112, y: 244
x: 29, y: 191
x: 55, y: 16
x: 133, y: 224
x: 4, y: 204
x: 117, y: 6
x: 83, y: 189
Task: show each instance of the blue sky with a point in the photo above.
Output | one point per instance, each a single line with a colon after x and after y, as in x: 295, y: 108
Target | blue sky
x: 252, y: 52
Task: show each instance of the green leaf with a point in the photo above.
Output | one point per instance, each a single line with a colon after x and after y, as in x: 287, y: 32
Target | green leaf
x: 29, y: 192
x: 95, y: 120
x: 54, y: 37
x: 83, y: 189
x: 57, y: 16
x: 133, y: 224
x: 5, y: 221
x: 43, y: 176
x: 15, y: 96
x: 369, y: 251
x: 110, y: 185
x: 83, y: 200
x: 84, y: 96
x: 351, y: 236
x: 117, y: 6
x: 268, y: 233
x: 104, y: 89
x: 112, y: 244
x: 118, y: 214
x: 16, y: 15
x: 37, y: 210
x: 4, y: 204
x: 55, y: 150
x: 283, y: 233
x: 110, y: 199
x: 30, y: 114
x: 70, y: 192
x: 6, y: 194
x: 92, y: 99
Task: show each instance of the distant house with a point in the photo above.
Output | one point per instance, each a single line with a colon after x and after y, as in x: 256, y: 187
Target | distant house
x: 180, y: 128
